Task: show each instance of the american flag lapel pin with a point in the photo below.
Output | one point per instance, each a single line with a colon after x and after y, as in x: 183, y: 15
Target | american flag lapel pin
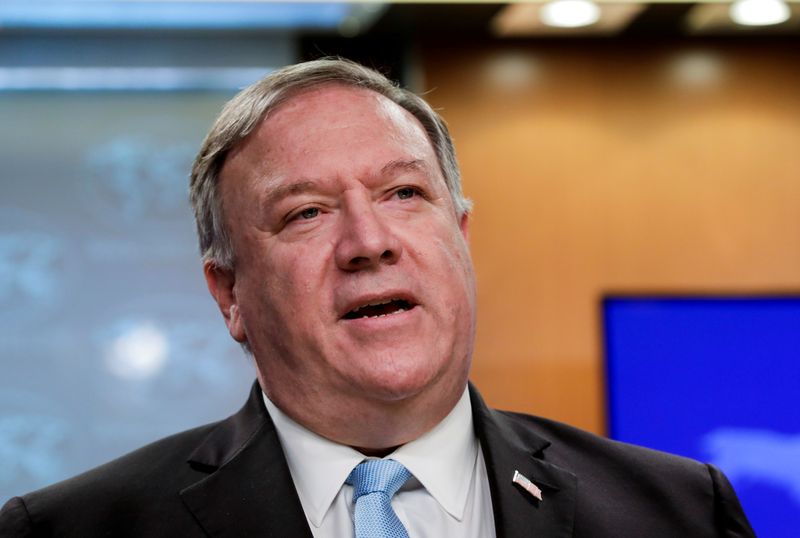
x: 527, y: 485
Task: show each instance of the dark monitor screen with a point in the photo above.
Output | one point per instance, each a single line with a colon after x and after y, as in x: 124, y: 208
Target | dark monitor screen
x: 716, y: 379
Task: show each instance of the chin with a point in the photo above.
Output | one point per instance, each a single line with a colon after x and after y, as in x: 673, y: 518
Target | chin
x: 393, y: 390
x: 404, y: 381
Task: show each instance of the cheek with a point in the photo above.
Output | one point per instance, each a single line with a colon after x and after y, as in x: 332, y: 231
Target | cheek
x: 457, y: 258
x: 290, y: 286
x: 462, y: 280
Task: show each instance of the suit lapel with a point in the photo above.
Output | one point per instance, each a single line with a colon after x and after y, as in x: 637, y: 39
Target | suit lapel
x: 507, y: 447
x: 249, y: 490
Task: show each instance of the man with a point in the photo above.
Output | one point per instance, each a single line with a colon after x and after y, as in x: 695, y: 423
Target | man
x: 334, y: 237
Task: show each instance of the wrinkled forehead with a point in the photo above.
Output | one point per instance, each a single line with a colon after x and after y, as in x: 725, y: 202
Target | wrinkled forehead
x: 341, y: 105
x: 331, y: 120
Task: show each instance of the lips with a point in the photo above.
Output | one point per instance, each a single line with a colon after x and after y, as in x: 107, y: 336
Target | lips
x: 380, y: 307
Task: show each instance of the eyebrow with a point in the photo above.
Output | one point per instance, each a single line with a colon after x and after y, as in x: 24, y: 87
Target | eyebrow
x: 305, y: 185
x: 291, y: 189
x: 416, y: 165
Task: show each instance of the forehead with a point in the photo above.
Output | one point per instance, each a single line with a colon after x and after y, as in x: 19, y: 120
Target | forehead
x: 344, y: 104
x: 329, y: 127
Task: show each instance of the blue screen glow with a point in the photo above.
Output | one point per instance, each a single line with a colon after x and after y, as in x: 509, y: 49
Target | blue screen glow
x: 716, y: 379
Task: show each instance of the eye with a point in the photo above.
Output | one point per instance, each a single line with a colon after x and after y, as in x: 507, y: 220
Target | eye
x: 406, y: 192
x: 308, y: 213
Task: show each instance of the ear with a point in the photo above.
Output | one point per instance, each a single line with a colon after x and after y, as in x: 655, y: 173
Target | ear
x: 463, y: 224
x: 222, y: 285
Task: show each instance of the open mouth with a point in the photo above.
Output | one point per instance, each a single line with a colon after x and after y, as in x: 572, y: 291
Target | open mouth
x: 379, y: 309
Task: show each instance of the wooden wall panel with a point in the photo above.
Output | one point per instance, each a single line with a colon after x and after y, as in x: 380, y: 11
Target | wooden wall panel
x: 609, y: 167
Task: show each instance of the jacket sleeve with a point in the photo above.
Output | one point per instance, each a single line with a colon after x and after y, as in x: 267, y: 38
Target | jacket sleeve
x: 14, y: 520
x: 730, y: 519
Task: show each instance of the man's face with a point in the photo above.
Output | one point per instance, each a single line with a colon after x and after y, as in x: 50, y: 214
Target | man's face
x: 353, y: 283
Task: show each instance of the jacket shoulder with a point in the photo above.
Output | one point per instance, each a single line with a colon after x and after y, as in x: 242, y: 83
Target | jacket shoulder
x: 127, y: 491
x: 141, y: 493
x: 621, y: 485
x: 571, y: 445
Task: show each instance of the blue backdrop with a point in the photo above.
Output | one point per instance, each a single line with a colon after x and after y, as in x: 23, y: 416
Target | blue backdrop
x: 108, y: 337
x: 716, y: 379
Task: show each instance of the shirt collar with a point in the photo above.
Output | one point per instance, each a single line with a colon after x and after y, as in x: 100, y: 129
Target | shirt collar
x: 442, y: 460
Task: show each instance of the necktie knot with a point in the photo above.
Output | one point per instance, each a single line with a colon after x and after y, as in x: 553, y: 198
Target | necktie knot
x: 374, y: 484
x: 371, y: 476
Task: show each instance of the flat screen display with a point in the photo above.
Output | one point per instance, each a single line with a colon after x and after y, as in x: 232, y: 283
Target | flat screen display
x: 716, y: 379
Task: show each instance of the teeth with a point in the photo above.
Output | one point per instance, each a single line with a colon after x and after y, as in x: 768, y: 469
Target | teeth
x: 377, y: 303
x: 384, y: 315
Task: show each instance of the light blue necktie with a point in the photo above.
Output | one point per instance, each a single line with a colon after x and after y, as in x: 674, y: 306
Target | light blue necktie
x: 374, y: 484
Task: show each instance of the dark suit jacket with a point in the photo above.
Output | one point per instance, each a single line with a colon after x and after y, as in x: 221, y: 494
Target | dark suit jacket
x: 231, y: 479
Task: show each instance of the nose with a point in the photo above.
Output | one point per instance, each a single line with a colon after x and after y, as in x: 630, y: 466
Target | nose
x: 365, y: 240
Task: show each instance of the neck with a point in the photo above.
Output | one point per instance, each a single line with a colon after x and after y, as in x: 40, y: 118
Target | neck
x: 376, y: 452
x: 374, y: 427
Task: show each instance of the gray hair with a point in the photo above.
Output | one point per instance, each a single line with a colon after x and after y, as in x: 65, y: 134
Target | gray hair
x: 242, y: 114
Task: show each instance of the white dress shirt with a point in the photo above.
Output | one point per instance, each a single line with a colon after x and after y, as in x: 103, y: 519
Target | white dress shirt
x: 447, y: 496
